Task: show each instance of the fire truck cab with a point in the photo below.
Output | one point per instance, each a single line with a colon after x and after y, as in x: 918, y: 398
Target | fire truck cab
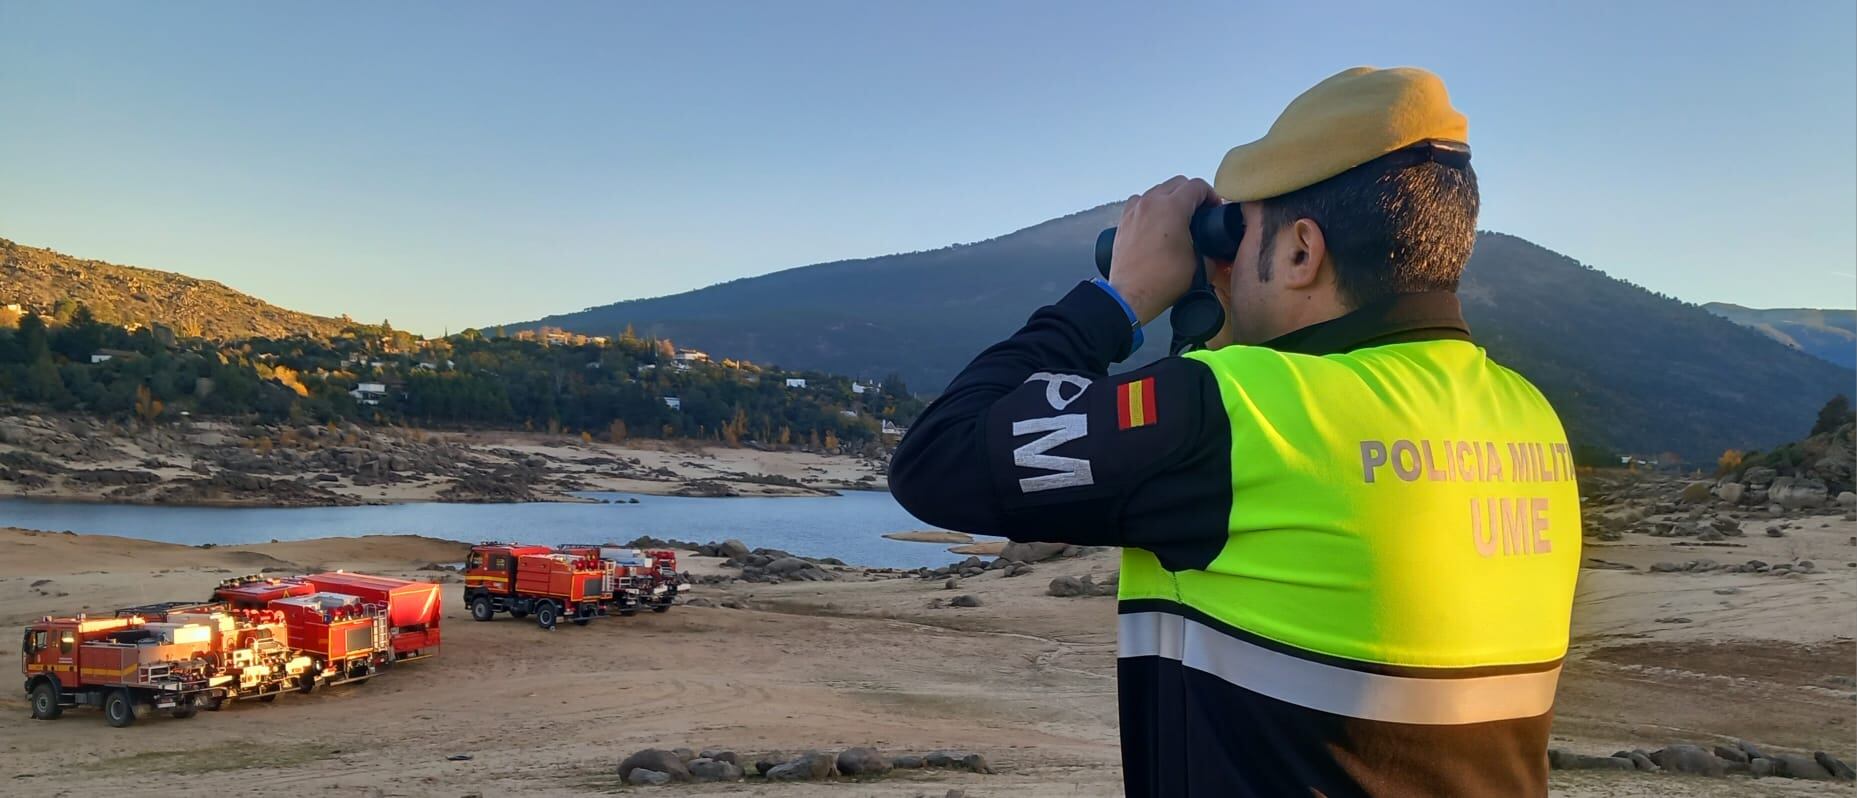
x: 524, y: 580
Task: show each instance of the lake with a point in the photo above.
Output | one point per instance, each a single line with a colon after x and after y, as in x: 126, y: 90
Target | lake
x: 849, y: 527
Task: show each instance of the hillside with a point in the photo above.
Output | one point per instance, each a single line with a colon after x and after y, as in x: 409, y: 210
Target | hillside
x: 1630, y: 370
x: 39, y: 278
x: 1829, y: 335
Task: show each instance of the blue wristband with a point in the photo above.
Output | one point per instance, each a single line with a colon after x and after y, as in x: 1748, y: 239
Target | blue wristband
x: 1134, y: 322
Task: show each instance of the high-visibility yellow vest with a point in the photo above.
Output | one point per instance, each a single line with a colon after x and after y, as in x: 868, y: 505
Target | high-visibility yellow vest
x: 1404, y: 538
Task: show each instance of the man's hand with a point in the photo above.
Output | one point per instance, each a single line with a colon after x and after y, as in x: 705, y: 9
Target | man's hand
x: 1153, y: 263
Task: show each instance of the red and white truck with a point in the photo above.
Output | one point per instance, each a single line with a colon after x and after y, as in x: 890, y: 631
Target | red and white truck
x: 642, y: 578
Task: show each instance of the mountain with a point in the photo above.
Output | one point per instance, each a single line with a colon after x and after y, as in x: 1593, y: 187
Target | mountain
x: 39, y: 279
x: 1829, y: 335
x: 1630, y: 370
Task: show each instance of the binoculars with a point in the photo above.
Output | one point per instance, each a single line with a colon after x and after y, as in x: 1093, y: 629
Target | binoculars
x: 1197, y: 316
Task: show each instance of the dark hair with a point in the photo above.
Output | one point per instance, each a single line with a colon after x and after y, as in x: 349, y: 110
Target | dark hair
x: 1391, y: 228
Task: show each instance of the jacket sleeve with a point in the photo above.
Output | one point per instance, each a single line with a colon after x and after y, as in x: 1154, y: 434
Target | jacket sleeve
x: 1034, y: 441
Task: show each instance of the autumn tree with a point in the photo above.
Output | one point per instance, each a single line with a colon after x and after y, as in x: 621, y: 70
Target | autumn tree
x: 616, y: 432
x: 1729, y: 461
x: 831, y: 441
x: 147, y: 407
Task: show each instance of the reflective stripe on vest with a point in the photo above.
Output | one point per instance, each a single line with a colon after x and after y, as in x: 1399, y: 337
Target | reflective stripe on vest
x: 1409, y: 505
x: 1327, y: 688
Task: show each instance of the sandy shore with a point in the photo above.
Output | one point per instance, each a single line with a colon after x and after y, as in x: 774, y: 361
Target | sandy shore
x: 211, y: 463
x: 1025, y: 678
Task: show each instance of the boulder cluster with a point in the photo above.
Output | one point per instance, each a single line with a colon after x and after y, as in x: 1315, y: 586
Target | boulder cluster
x: 1722, y: 760
x: 661, y: 766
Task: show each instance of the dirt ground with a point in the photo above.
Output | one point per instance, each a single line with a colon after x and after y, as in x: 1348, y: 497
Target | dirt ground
x: 1025, y: 679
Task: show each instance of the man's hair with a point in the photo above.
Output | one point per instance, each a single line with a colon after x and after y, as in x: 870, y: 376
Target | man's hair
x: 1390, y: 228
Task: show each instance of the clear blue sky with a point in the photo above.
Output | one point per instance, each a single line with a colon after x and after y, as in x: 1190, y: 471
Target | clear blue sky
x: 444, y: 165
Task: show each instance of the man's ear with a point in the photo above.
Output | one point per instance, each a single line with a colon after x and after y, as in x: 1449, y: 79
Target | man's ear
x: 1302, y: 264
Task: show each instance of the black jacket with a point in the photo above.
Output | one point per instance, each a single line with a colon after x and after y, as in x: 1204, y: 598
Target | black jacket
x: 1167, y: 489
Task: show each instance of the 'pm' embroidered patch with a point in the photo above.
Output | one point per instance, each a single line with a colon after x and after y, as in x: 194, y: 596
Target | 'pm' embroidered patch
x: 1134, y: 404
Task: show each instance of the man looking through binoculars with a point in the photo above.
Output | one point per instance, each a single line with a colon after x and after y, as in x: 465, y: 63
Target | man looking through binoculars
x: 1349, y: 538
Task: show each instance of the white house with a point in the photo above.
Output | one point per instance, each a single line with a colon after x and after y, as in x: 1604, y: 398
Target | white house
x: 369, y: 393
x: 848, y: 413
x: 889, y: 428
x: 100, y: 358
x: 691, y: 356
x: 793, y: 382
x: 673, y: 402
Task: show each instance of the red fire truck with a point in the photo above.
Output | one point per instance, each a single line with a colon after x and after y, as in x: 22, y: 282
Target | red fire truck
x: 412, y: 608
x: 641, y: 577
x: 122, y: 665
x: 520, y: 580
x: 250, y: 646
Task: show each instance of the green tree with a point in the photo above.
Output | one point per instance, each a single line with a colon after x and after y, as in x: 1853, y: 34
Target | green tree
x: 1836, y: 413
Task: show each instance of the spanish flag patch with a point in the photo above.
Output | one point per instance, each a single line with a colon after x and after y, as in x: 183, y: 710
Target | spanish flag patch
x: 1134, y: 404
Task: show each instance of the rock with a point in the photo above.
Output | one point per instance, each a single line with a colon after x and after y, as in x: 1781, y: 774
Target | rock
x: 955, y: 794
x: 769, y: 761
x: 1759, y: 477
x: 1726, y: 526
x: 643, y: 777
x: 1688, y: 759
x: 699, y: 602
x: 1847, y: 500
x: 977, y: 763
x: 818, y: 765
x: 951, y: 584
x: 1795, y: 493
x: 1666, y: 567
x: 684, y: 754
x: 734, y: 550
x: 1643, y: 762
x: 1032, y: 552
x: 940, y: 759
x: 1805, y: 566
x: 1068, y: 586
x: 1710, y: 535
x: 703, y: 769
x: 1731, y: 492
x: 1729, y: 591
x: 965, y: 600
x: 1760, y: 767
x: 998, y: 563
x: 721, y: 756
x: 1832, y: 764
x: 862, y: 761
x: 1675, y: 619
x: 1731, y: 754
x: 787, y: 565
x: 1795, y: 766
x: 658, y: 760
x: 907, y: 762
x: 1567, y: 760
x: 1695, y: 492
x: 1775, y: 532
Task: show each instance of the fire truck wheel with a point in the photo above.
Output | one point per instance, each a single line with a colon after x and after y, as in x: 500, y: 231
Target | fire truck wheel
x: 184, y: 713
x: 545, y: 614
x: 480, y: 609
x: 665, y: 607
x: 213, y: 704
x: 45, y: 702
x: 268, y: 697
x: 119, y: 708
x: 306, y: 683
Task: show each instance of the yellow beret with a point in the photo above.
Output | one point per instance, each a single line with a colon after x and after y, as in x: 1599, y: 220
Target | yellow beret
x: 1347, y: 120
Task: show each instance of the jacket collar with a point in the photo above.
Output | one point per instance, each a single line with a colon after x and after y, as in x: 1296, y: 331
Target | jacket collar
x: 1428, y: 316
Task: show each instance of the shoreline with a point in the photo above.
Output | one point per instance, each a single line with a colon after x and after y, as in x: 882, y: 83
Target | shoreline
x: 222, y: 464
